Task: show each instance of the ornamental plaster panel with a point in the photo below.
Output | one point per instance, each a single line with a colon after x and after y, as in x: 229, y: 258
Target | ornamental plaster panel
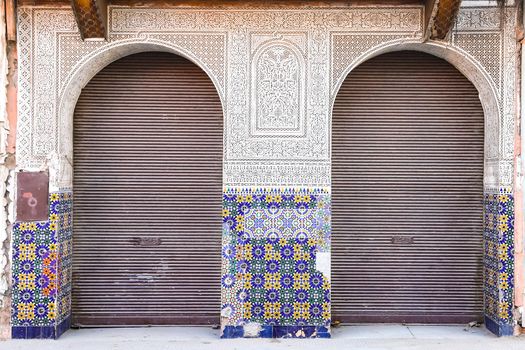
x: 477, y: 19
x: 275, y: 173
x: 486, y: 48
x: 25, y: 102
x: 359, y: 19
x: 206, y: 48
x: 278, y: 72
x: 510, y: 55
x: 506, y: 172
x: 346, y: 49
x: 489, y: 35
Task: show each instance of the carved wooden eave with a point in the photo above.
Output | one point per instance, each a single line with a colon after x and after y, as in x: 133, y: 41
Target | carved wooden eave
x: 91, y: 16
x: 440, y: 17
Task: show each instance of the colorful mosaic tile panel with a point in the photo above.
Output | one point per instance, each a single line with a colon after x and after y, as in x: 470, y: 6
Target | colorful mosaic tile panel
x: 275, y: 272
x: 65, y: 237
x: 42, y: 271
x: 35, y: 252
x: 289, y: 223
x: 499, y: 261
x: 231, y: 309
x: 281, y: 284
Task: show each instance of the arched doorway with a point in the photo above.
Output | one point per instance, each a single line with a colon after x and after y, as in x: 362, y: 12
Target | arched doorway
x: 407, y: 187
x: 148, y: 194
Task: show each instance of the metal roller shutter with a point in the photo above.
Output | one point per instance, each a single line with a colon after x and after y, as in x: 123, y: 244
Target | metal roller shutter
x: 407, y: 186
x: 148, y: 195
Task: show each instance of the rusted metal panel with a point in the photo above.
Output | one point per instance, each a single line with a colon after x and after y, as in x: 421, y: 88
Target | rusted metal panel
x: 407, y: 187
x: 32, y: 198
x: 148, y: 195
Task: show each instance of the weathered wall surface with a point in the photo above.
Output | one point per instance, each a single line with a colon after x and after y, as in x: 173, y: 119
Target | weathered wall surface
x: 281, y: 144
x: 7, y: 87
x: 8, y: 171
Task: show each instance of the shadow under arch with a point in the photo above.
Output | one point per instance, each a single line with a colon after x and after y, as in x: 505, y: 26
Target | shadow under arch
x: 465, y: 64
x: 97, y: 60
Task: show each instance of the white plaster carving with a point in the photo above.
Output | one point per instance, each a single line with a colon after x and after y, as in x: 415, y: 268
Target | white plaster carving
x: 269, y: 139
x: 278, y: 76
x: 509, y: 87
x: 206, y: 48
x: 477, y: 19
x: 25, y: 102
x: 347, y: 48
x: 359, y: 19
x: 506, y: 172
x: 488, y: 35
x: 486, y: 49
x: 275, y: 173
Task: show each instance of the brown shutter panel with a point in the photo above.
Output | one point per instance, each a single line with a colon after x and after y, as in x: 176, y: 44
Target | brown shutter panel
x: 407, y: 172
x: 148, y: 195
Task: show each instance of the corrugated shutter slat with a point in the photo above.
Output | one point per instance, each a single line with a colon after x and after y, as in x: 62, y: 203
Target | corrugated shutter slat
x: 147, y: 186
x: 407, y: 186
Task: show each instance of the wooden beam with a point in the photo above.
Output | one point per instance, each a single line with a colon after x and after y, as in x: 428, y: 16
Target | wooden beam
x: 233, y: 3
x: 91, y: 17
x: 53, y: 3
x: 10, y: 19
x: 431, y: 7
x: 442, y: 18
x: 262, y: 3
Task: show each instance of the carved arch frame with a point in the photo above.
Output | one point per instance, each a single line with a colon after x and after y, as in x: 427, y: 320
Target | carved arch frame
x: 471, y: 69
x: 94, y: 63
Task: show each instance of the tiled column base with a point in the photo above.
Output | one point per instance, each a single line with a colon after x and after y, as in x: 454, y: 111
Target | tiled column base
x: 276, y: 263
x: 499, y: 261
x: 41, y: 300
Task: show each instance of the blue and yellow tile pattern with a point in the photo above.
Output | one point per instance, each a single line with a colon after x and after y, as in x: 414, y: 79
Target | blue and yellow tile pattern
x: 272, y: 244
x: 499, y: 261
x: 42, y: 272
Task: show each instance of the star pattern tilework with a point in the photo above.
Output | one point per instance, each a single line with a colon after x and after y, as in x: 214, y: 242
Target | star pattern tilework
x: 499, y: 260
x: 270, y: 245
x: 65, y: 238
x: 42, y: 270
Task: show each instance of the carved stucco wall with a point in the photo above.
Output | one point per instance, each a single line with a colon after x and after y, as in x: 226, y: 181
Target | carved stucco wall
x: 488, y: 35
x: 313, y: 50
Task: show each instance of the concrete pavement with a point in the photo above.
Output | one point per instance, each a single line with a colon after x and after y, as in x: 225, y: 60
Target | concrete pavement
x: 370, y: 337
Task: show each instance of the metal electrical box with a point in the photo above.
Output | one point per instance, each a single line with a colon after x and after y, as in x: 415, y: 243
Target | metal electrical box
x: 32, y: 197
